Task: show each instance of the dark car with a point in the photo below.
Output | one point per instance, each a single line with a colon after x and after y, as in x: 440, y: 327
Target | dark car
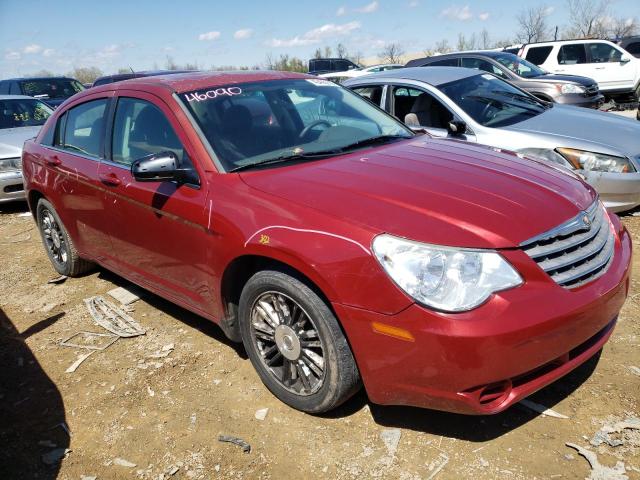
x: 328, y: 65
x: 566, y: 89
x: 631, y: 45
x: 51, y: 90
x: 119, y: 77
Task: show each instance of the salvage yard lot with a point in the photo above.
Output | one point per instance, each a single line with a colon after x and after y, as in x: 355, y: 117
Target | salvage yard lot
x: 161, y: 400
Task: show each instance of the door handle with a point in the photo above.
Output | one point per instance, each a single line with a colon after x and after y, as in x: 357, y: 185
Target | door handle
x: 53, y: 161
x: 110, y: 179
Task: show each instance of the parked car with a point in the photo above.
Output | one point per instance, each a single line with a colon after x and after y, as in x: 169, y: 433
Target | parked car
x: 358, y: 72
x: 479, y: 107
x: 631, y: 45
x: 318, y: 66
x: 118, y: 77
x: 51, y: 90
x: 567, y: 89
x: 20, y: 118
x: 615, y: 70
x: 334, y: 242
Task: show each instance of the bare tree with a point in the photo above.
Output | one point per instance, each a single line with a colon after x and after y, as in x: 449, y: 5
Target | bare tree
x: 85, y: 74
x: 327, y: 52
x: 341, y: 51
x: 484, y: 41
x: 391, y: 53
x: 532, y: 24
x: 622, y: 27
x: 442, y: 46
x: 587, y: 18
x: 317, y: 53
x: 356, y: 57
x: 465, y: 43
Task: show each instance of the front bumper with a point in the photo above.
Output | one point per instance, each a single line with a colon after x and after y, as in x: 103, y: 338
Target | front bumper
x: 483, y: 361
x: 11, y: 186
x: 618, y: 191
x: 579, y: 100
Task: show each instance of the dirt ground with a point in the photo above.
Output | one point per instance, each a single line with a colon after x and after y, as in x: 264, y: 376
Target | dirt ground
x: 152, y: 407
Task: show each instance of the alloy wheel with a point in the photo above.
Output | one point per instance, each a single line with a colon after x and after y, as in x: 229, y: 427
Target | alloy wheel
x: 53, y: 237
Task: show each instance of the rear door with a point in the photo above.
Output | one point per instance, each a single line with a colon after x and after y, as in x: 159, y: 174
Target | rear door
x: 572, y: 60
x: 608, y: 69
x: 159, y: 230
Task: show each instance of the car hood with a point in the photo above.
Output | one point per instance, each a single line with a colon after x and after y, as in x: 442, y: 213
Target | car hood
x: 436, y: 191
x: 12, y: 139
x: 552, y: 77
x: 609, y: 133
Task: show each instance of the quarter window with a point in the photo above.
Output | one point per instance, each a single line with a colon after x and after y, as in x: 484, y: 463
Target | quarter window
x: 84, y: 128
x: 603, y: 53
x: 538, y: 55
x: 480, y: 64
x: 374, y: 93
x: 572, y: 54
x: 140, y: 129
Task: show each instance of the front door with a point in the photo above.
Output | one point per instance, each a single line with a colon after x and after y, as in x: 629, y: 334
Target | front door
x: 159, y: 229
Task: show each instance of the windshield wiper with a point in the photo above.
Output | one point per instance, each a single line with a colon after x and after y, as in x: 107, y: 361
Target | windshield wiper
x: 286, y: 158
x: 372, y: 141
x: 518, y: 96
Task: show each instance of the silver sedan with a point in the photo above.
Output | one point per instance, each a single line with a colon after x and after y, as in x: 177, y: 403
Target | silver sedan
x: 21, y: 118
x: 475, y: 106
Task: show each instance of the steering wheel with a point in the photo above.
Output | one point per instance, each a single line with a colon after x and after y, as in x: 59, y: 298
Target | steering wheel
x: 308, y: 128
x: 485, y: 110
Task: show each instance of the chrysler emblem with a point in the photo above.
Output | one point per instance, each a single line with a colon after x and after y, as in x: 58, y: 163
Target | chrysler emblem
x: 586, y: 221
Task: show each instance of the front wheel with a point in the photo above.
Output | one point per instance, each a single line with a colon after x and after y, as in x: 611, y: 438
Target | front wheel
x: 295, y: 343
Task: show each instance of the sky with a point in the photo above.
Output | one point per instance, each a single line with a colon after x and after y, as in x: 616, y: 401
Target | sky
x: 59, y: 35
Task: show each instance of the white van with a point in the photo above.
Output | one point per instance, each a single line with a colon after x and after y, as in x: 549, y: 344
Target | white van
x: 615, y: 69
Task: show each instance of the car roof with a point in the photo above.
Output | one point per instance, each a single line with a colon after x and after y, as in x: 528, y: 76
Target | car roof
x: 18, y: 97
x: 55, y: 77
x: 435, y: 76
x: 479, y: 53
x: 143, y: 73
x: 185, y: 82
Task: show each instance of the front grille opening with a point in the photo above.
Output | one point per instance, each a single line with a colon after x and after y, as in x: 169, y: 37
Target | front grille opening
x: 494, y: 393
x: 14, y: 188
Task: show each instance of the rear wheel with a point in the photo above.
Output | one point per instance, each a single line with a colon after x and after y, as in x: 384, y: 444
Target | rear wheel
x: 295, y: 343
x: 57, y: 242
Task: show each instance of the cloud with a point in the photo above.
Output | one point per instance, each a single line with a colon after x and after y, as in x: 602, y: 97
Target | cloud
x: 483, y: 16
x: 317, y: 35
x: 369, y: 8
x: 209, y: 36
x: 243, y: 34
x: 12, y: 55
x: 48, y: 52
x: 33, y: 48
x: 414, y: 4
x: 454, y: 12
x: 549, y: 10
x: 341, y: 12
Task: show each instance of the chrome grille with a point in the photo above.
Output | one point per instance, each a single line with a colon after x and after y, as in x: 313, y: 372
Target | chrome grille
x: 591, y: 90
x: 576, y: 252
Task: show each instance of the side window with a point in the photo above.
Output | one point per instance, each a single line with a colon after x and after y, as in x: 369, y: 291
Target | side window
x: 634, y: 49
x: 14, y: 89
x: 140, y: 129
x: 603, y: 53
x: 373, y: 93
x: 58, y: 134
x: 538, y: 55
x: 572, y: 54
x: 4, y: 88
x: 479, y: 64
x: 419, y: 108
x: 450, y: 62
x: 84, y: 128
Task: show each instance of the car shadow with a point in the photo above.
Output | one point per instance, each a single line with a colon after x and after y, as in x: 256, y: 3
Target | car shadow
x: 468, y: 427
x: 203, y: 325
x: 19, y: 206
x: 33, y: 421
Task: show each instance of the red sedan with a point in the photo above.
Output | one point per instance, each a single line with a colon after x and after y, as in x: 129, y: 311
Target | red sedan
x: 341, y: 247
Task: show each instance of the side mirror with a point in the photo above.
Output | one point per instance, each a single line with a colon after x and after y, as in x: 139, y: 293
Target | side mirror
x: 456, y: 127
x: 625, y: 58
x: 157, y: 167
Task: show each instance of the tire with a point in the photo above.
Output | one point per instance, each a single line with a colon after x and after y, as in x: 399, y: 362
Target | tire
x: 57, y: 242
x: 303, y: 330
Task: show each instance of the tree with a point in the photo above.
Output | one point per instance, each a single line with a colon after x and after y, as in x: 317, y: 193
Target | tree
x: 85, y: 74
x: 622, y: 27
x: 391, y: 53
x: 317, y: 53
x: 442, y: 46
x: 587, y: 18
x: 466, y: 43
x: 532, y: 24
x: 341, y: 51
x: 327, y: 52
x: 42, y: 73
x: 356, y: 57
x: 285, y: 63
x: 484, y: 41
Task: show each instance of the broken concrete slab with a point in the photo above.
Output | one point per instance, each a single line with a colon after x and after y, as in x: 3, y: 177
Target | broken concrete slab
x: 261, y: 414
x: 599, y: 471
x: 123, y: 463
x: 391, y: 438
x: 123, y: 295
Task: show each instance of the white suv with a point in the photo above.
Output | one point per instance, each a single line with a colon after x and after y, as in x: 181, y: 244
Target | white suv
x: 615, y: 70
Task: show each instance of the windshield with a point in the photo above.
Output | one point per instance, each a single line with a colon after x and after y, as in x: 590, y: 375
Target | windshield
x: 23, y: 112
x: 51, y: 87
x: 520, y: 66
x: 254, y: 123
x: 492, y: 102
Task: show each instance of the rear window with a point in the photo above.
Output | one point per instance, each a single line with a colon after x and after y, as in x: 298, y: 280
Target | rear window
x: 84, y: 128
x: 572, y: 54
x: 23, y: 112
x: 633, y: 49
x: 538, y: 55
x: 315, y: 65
x: 50, y: 87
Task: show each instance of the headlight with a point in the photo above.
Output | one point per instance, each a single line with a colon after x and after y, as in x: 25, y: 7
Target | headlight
x: 546, y: 155
x: 10, y: 164
x: 570, y: 88
x: 444, y: 278
x: 596, y: 162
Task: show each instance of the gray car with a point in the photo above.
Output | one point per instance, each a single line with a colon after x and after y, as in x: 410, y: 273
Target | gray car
x: 475, y: 106
x: 21, y: 118
x: 565, y: 89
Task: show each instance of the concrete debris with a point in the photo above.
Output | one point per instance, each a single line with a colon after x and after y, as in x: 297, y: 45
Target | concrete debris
x: 437, y: 465
x: 604, y: 435
x: 173, y: 471
x: 90, y: 340
x: 261, y: 414
x: 246, y: 448
x: 163, y: 352
x: 55, y: 456
x: 74, y: 366
x: 391, y: 438
x: 599, y: 471
x: 112, y: 318
x: 123, y: 463
x: 536, y: 407
x: 25, y: 214
x: 58, y: 280
x: 635, y: 370
x: 150, y: 391
x: 124, y: 296
x: 88, y: 477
